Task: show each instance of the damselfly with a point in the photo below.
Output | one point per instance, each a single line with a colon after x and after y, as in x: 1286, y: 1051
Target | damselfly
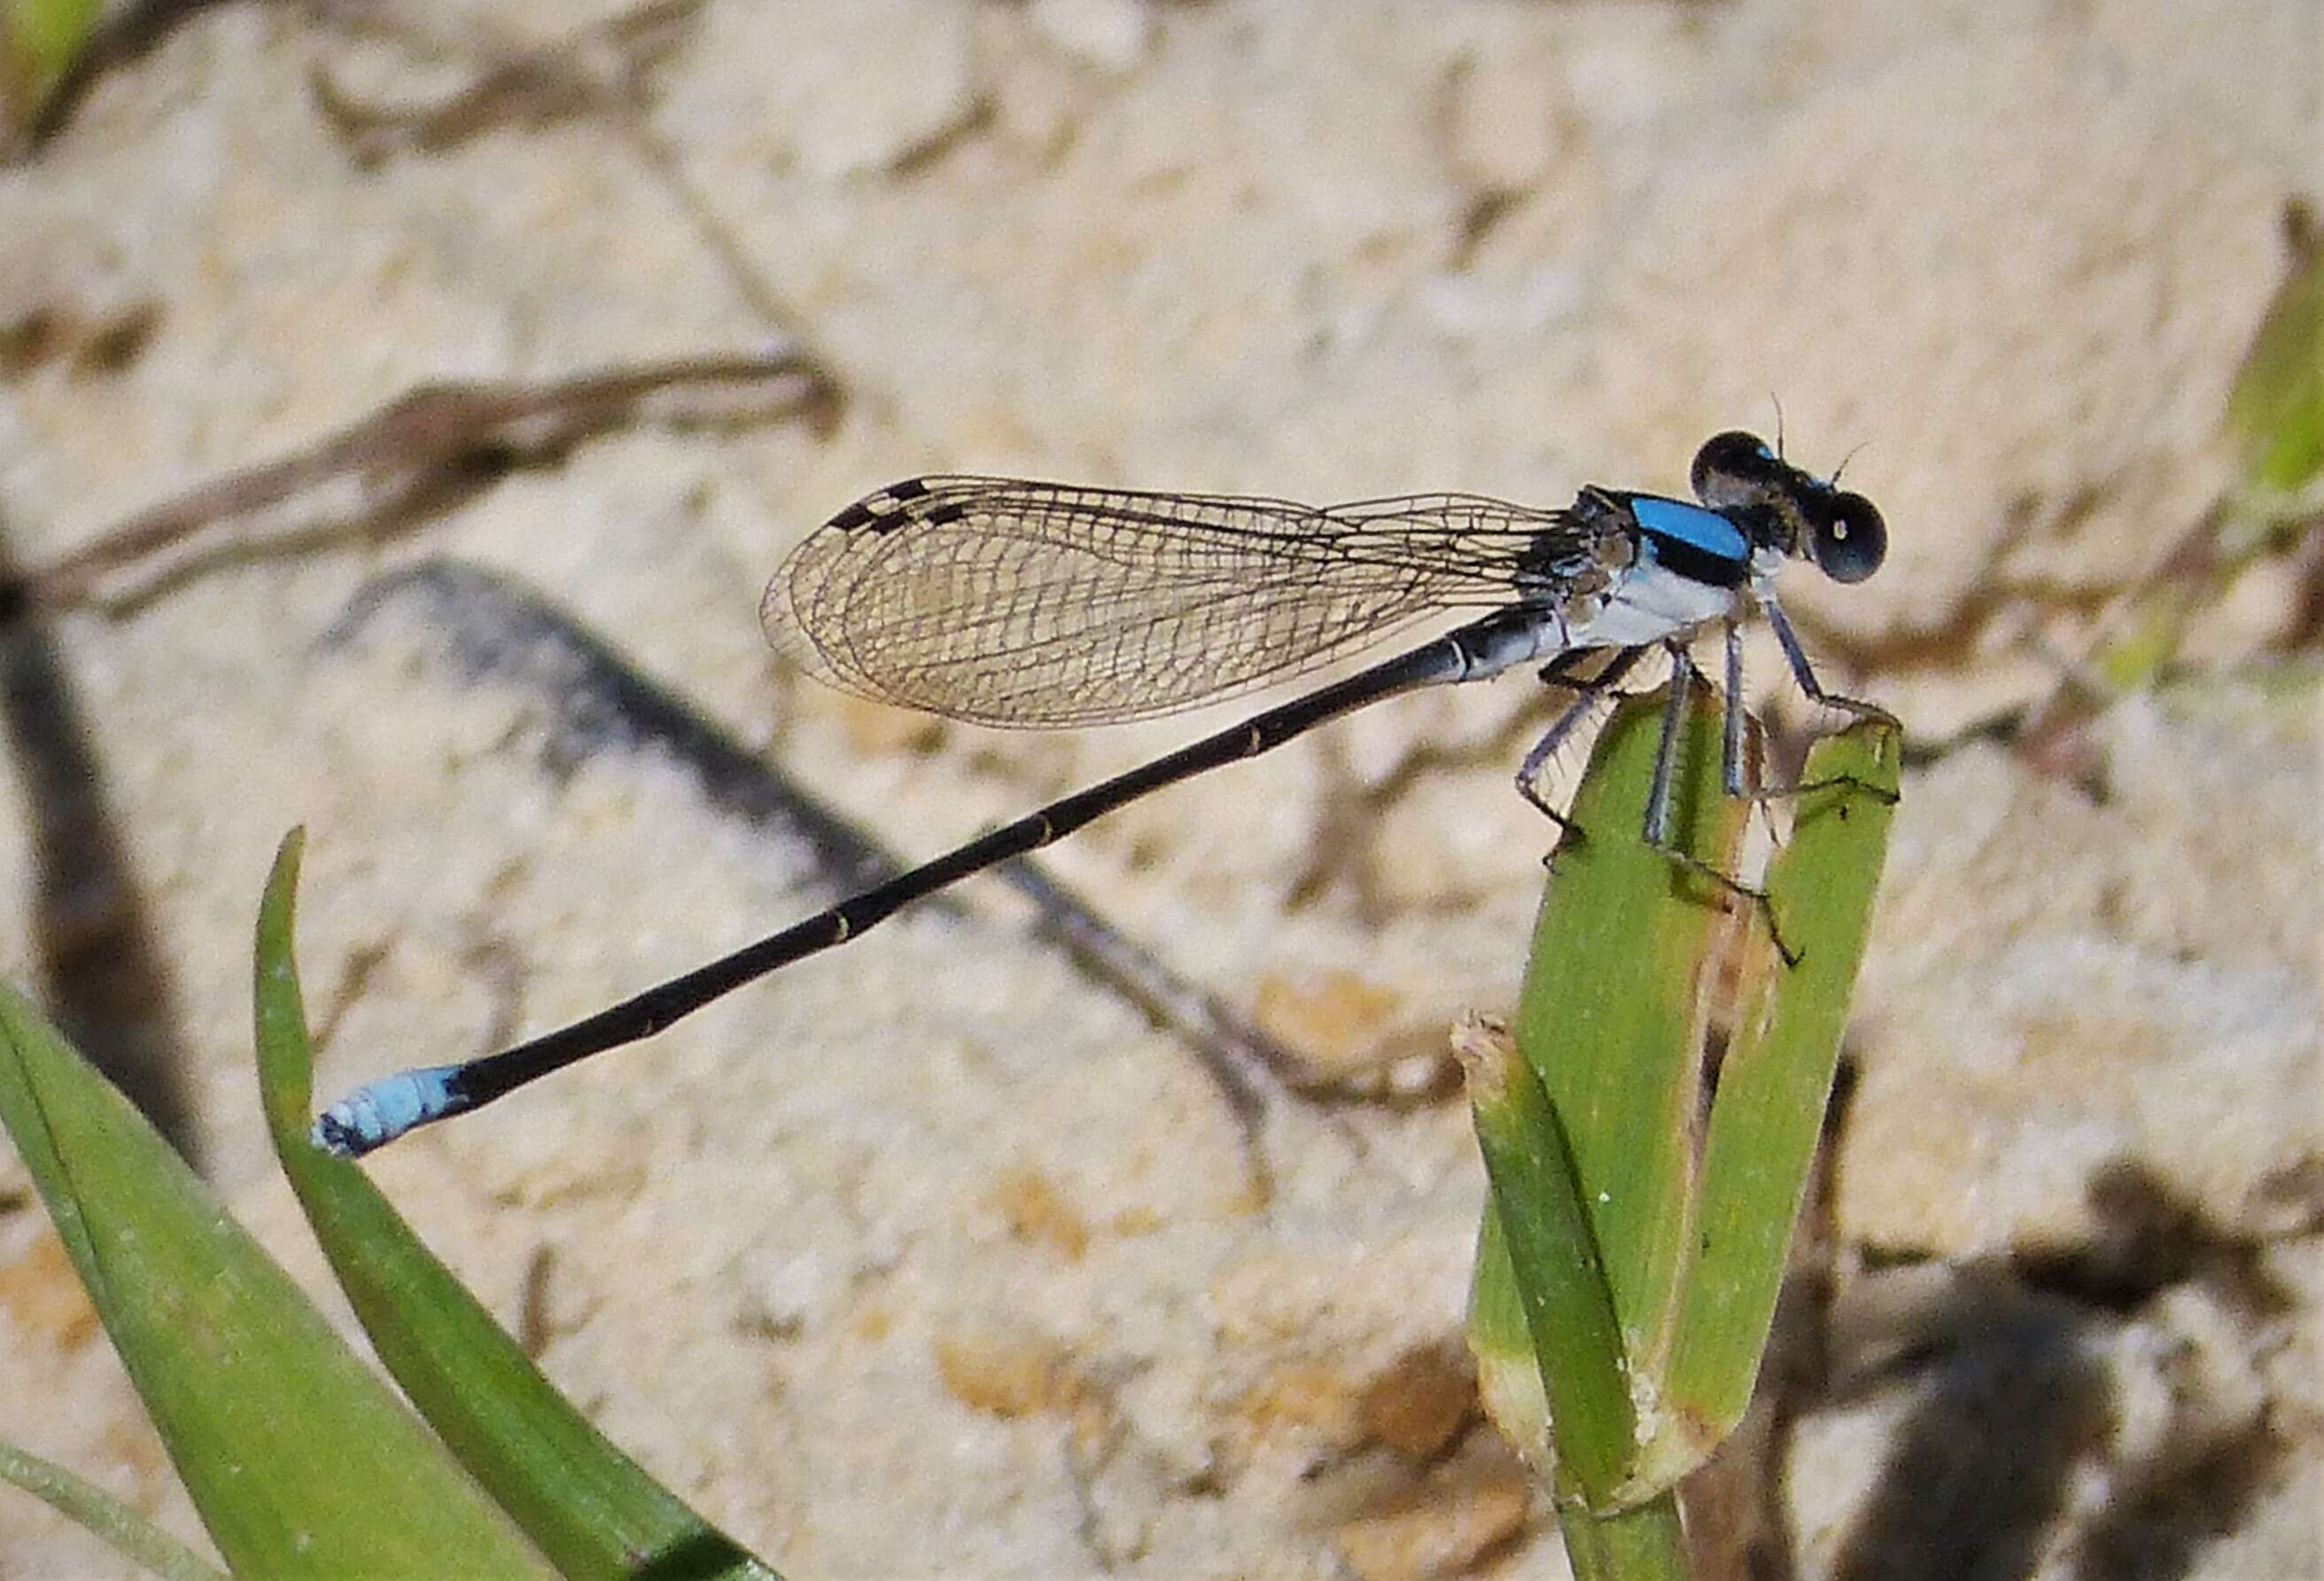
x: 1036, y: 603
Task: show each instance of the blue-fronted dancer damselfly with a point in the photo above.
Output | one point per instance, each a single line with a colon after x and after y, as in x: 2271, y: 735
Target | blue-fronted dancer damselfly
x: 1005, y: 602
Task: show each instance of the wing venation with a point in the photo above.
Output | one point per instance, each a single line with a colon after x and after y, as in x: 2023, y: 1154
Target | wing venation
x: 1032, y: 604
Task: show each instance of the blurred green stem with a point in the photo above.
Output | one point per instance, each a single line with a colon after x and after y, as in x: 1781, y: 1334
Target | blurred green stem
x: 89, y: 1506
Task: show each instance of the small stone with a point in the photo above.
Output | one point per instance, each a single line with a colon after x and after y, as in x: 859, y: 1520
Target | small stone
x: 1002, y: 1374
x: 1038, y: 1213
x: 1444, y: 1529
x: 1422, y: 1399
x: 1335, y: 1019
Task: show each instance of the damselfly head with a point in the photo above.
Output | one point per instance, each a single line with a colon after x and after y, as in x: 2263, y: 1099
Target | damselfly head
x: 1788, y: 510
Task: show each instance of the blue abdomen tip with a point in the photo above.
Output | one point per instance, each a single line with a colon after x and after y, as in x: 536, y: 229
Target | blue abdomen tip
x: 375, y: 1115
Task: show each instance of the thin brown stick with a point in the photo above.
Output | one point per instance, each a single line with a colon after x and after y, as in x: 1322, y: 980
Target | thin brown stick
x: 594, y: 69
x: 432, y: 429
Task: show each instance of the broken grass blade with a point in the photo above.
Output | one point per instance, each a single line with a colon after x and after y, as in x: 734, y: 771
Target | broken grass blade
x: 1550, y: 1330
x: 1539, y: 1227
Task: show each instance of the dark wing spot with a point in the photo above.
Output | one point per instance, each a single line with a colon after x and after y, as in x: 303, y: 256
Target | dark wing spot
x: 857, y: 515
x: 911, y: 488
x: 946, y: 514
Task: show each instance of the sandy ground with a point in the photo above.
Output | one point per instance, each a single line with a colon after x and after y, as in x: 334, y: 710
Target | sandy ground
x: 938, y: 1256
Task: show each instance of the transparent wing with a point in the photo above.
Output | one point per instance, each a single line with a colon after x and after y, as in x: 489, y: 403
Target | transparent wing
x: 1014, y: 603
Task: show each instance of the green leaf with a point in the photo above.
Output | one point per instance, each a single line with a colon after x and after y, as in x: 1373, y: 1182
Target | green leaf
x: 1587, y: 1140
x: 1538, y: 1239
x: 594, y: 1511
x: 299, y: 1460
x: 1632, y: 1246
x: 1776, y: 1079
x: 1609, y: 1020
x: 40, y: 39
x: 1612, y: 1013
x: 2276, y: 409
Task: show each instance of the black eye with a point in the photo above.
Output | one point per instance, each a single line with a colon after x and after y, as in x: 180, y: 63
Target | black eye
x: 1728, y: 466
x: 1849, y: 539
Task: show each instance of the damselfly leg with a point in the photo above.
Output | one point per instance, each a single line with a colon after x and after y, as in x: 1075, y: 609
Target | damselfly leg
x: 1803, y: 673
x: 1588, y: 694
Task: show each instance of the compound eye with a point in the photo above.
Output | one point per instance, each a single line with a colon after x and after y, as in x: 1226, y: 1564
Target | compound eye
x: 1849, y: 539
x: 1729, y: 466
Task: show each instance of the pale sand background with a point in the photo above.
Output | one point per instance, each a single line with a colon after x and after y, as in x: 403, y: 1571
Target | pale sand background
x: 936, y: 1256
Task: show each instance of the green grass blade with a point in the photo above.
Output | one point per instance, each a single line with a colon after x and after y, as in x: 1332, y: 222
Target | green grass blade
x: 1631, y: 1250
x: 592, y: 1509
x: 1592, y: 1161
x: 40, y: 39
x: 1508, y: 1372
x: 1645, y: 1543
x: 299, y: 1460
x: 90, y: 1507
x: 1776, y: 1081
x: 2275, y: 413
x: 1614, y: 990
x: 1536, y: 1228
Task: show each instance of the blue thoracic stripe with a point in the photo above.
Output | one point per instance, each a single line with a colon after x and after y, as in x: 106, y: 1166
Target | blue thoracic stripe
x: 1707, y: 530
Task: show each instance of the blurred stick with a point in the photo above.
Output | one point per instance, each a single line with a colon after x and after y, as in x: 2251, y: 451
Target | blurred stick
x: 427, y: 435
x: 583, y: 73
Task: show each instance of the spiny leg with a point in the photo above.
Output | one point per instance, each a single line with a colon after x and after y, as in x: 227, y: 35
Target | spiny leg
x: 1559, y: 672
x: 1658, y: 831
x: 1730, y: 739
x: 1735, y: 718
x: 1658, y: 794
x: 1803, y: 673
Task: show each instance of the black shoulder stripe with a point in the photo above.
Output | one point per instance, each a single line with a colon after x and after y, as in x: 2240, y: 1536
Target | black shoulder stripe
x: 1695, y: 563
